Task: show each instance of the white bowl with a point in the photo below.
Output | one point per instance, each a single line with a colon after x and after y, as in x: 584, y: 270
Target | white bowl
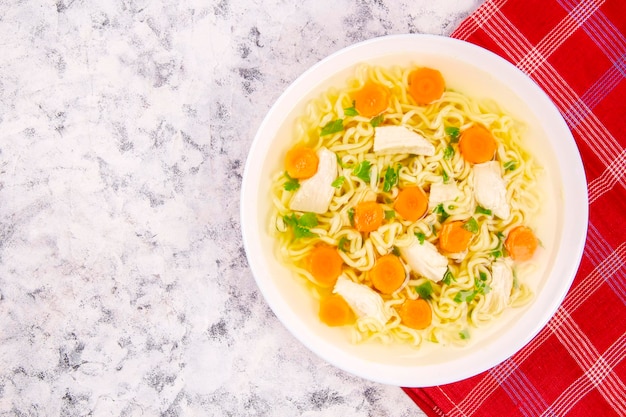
x: 562, y: 225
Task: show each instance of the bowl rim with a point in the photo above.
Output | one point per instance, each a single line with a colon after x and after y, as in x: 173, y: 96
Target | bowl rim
x: 575, y: 202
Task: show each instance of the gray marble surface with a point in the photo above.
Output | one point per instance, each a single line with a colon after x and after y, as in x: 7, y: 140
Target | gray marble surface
x: 124, y: 128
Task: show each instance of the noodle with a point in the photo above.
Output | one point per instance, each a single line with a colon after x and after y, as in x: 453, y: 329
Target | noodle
x: 469, y: 273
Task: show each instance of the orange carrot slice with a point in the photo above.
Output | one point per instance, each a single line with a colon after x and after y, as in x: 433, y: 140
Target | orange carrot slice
x: 426, y: 85
x: 325, y: 265
x: 368, y: 216
x: 477, y: 144
x: 371, y: 100
x: 416, y: 314
x: 521, y: 243
x: 411, y: 203
x: 453, y: 237
x: 301, y: 162
x: 335, y: 311
x: 388, y: 274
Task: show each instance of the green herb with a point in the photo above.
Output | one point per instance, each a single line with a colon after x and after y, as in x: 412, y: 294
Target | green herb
x: 465, y: 296
x: 377, y: 120
x: 343, y: 244
x: 391, y: 177
x: 351, y: 215
x: 395, y: 251
x: 483, y: 276
x: 421, y: 237
x: 332, y: 127
x: 471, y: 225
x: 448, y: 153
x: 351, y: 111
x: 451, y: 206
x: 308, y: 220
x: 338, y: 182
x: 480, y: 210
x: 448, y: 277
x: 464, y: 334
x: 291, y: 184
x: 301, y: 226
x: 389, y: 214
x: 510, y: 166
x: 445, y: 176
x: 362, y: 170
x: 424, y: 290
x: 481, y: 286
x: 453, y: 132
x: 498, y: 252
x: 441, y: 212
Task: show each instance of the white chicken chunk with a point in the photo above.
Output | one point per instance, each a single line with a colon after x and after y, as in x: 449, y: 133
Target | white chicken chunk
x: 501, y: 285
x: 441, y: 193
x: 400, y: 139
x: 490, y: 189
x: 364, y: 301
x: 316, y: 193
x: 425, y: 260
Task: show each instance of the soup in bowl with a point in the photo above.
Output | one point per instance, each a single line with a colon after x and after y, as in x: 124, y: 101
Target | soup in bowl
x: 450, y: 252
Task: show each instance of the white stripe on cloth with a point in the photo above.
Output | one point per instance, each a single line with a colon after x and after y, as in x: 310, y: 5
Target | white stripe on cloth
x: 603, y: 32
x: 584, y: 352
x: 613, y: 174
x: 595, y: 377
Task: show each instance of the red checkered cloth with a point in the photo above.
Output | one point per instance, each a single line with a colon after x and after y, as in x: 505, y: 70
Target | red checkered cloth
x: 575, y: 51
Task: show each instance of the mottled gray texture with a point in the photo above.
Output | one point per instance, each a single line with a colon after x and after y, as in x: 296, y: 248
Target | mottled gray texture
x: 124, y: 126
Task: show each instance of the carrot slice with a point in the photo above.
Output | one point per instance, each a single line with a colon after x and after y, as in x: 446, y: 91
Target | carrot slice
x: 426, y: 85
x: 335, y: 311
x: 411, y: 203
x: 371, y: 100
x: 416, y: 314
x: 368, y: 216
x: 477, y: 144
x: 521, y: 243
x: 453, y: 237
x: 301, y: 162
x: 325, y: 265
x: 388, y: 274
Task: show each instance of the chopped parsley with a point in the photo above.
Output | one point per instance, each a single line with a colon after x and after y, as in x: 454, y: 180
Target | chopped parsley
x: 510, y: 166
x: 448, y: 153
x: 291, y: 184
x: 441, y: 212
x: 391, y: 177
x: 351, y: 111
x: 424, y: 290
x: 362, y: 170
x: 465, y: 296
x: 421, y: 237
x: 480, y: 287
x: 351, y: 215
x: 448, y: 277
x: 343, y: 244
x: 464, y: 334
x: 332, y: 127
x: 301, y: 226
x: 453, y: 132
x: 395, y: 251
x: 338, y: 182
x: 481, y: 210
x: 498, y: 252
x: 471, y: 225
x: 389, y: 214
x: 377, y: 120
x: 445, y: 176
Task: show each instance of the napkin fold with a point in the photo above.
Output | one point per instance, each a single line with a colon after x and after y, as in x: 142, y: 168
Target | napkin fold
x: 576, y: 52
